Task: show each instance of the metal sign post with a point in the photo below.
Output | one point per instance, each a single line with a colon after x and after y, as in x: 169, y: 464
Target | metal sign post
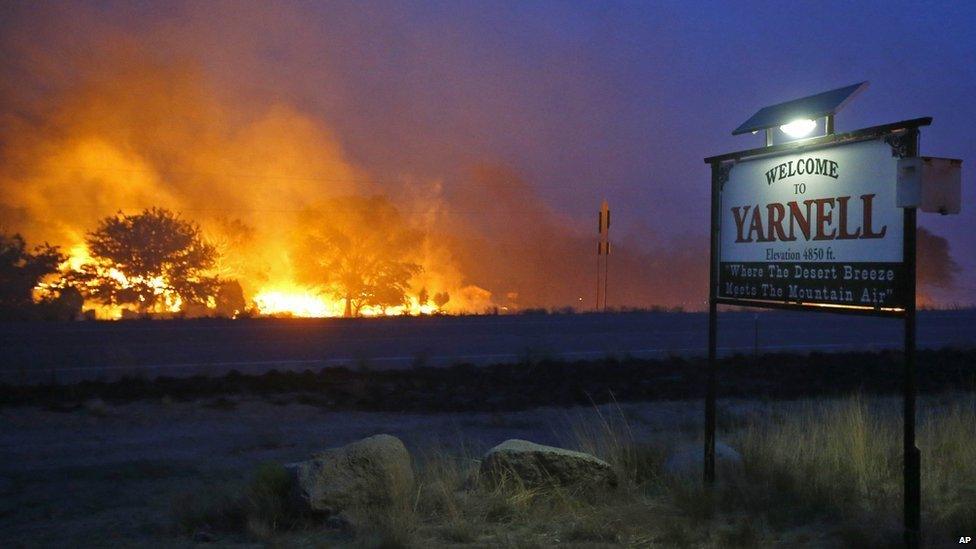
x: 785, y: 235
x: 711, y: 389
x: 912, y: 469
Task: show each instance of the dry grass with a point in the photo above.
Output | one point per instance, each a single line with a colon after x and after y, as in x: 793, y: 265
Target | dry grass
x: 815, y: 473
x: 261, y: 508
x: 833, y: 461
x: 841, y: 463
x: 949, y: 468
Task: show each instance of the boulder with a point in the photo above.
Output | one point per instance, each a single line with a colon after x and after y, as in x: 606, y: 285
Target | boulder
x: 537, y: 465
x: 689, y: 459
x: 372, y: 472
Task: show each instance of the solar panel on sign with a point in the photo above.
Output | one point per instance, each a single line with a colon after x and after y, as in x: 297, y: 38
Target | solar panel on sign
x: 814, y: 106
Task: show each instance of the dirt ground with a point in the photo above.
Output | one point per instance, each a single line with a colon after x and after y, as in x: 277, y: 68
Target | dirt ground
x: 105, y: 475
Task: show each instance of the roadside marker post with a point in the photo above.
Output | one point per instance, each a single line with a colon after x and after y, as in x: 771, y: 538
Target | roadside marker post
x: 603, y: 252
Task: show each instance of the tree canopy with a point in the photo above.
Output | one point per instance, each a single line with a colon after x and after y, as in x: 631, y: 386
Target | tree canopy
x: 361, y: 248
x: 21, y: 270
x: 146, y: 258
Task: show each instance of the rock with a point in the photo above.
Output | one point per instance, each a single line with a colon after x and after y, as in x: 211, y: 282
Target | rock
x: 372, y: 472
x: 537, y: 465
x: 689, y: 458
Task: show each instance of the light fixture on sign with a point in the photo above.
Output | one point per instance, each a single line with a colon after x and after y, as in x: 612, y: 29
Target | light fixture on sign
x: 799, y: 128
x: 798, y: 118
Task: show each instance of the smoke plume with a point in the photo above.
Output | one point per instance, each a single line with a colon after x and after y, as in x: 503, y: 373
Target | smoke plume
x: 122, y: 107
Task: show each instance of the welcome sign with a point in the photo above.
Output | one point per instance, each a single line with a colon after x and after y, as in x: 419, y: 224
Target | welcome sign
x: 818, y: 226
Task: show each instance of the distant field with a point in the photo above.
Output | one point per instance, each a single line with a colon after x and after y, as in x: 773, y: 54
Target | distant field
x: 70, y: 352
x: 534, y: 382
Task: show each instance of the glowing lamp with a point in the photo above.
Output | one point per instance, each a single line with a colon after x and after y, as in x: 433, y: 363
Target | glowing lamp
x: 799, y: 128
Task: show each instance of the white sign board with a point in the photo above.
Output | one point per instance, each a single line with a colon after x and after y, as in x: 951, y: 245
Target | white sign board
x: 820, y: 226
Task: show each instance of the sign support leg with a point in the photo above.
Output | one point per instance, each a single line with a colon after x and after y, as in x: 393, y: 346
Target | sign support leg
x: 709, y: 456
x: 709, y: 473
x: 912, y: 482
x: 913, y: 459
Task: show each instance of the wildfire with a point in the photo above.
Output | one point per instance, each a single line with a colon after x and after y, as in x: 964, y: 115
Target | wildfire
x: 295, y: 301
x: 269, y: 185
x: 302, y: 302
x: 280, y: 299
x: 412, y: 308
x: 78, y: 257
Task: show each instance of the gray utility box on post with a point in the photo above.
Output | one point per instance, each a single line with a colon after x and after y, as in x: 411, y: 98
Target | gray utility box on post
x: 930, y: 184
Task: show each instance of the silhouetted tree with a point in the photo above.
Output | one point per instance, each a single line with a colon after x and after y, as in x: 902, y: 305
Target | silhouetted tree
x: 936, y: 267
x: 230, y: 299
x: 441, y: 299
x: 63, y: 302
x: 21, y: 270
x: 361, y: 248
x: 140, y: 258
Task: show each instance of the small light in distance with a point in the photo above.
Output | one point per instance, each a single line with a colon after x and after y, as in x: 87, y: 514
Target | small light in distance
x: 799, y: 128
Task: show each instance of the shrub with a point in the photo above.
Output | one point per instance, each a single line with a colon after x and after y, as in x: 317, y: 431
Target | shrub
x: 263, y: 506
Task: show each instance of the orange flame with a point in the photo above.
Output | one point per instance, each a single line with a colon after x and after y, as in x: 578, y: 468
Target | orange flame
x: 295, y: 301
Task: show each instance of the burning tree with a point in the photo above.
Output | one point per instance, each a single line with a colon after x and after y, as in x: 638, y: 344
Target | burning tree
x: 361, y: 247
x: 21, y: 271
x: 149, y: 260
